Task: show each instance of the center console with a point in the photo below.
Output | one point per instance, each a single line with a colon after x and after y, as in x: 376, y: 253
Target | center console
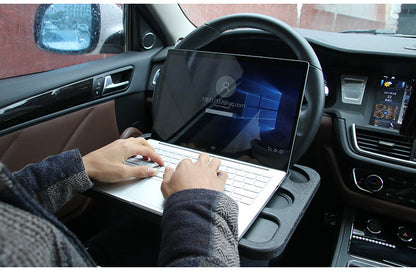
x: 367, y: 240
x: 378, y: 162
x: 392, y: 187
x: 378, y: 173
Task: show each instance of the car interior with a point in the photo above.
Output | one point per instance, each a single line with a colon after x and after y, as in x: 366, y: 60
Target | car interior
x: 349, y: 199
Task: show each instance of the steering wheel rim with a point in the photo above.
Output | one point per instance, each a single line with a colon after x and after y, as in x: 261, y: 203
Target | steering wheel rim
x: 310, y: 117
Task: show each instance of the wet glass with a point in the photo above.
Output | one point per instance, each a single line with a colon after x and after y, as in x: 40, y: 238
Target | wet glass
x: 67, y: 27
x: 394, y: 19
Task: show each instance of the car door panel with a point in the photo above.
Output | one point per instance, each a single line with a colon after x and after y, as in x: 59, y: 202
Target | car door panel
x: 24, y: 102
x: 86, y: 129
x: 37, y: 128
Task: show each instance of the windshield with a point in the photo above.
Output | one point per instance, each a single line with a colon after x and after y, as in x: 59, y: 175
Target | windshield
x: 390, y: 19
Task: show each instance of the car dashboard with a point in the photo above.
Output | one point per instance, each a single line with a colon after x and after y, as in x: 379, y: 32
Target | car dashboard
x: 372, y: 164
x: 370, y: 80
x: 363, y: 160
x: 369, y: 91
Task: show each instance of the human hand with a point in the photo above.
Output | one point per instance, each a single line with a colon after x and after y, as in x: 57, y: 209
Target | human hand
x: 199, y: 175
x: 107, y: 163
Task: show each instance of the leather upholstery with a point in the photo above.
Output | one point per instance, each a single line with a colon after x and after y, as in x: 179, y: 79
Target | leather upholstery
x: 87, y: 129
x: 131, y: 132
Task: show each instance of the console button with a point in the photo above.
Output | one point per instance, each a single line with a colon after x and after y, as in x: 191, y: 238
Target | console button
x: 374, y: 183
x: 405, y: 234
x: 374, y: 226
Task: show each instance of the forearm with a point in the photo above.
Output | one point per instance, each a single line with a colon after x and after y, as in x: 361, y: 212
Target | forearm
x: 199, y: 228
x: 55, y: 180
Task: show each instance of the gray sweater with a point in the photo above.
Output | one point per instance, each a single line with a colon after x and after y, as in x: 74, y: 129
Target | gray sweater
x: 199, y: 227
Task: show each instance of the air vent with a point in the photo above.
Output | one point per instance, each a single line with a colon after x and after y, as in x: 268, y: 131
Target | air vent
x: 379, y: 143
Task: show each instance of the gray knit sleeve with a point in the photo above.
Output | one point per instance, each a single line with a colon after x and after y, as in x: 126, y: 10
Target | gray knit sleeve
x: 29, y: 240
x: 199, y: 228
x: 225, y: 231
x: 55, y: 180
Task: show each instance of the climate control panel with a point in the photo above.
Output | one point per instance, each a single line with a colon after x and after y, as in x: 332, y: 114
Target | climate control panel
x: 399, y: 189
x: 383, y: 239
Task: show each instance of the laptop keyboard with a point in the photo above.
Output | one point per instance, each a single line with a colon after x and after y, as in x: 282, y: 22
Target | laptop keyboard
x: 242, y: 185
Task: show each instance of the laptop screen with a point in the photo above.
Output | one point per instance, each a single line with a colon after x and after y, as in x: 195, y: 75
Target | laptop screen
x: 240, y: 107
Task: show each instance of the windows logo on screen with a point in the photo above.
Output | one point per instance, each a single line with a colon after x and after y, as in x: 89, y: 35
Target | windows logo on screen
x: 265, y: 107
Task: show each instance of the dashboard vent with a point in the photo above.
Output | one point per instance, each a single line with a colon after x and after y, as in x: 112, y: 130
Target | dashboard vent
x: 392, y: 146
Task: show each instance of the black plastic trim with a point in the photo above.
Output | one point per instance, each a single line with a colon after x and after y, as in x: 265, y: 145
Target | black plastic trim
x: 46, y: 103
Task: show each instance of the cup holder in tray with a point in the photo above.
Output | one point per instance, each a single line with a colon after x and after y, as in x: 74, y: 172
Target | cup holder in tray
x: 282, y: 199
x: 270, y: 233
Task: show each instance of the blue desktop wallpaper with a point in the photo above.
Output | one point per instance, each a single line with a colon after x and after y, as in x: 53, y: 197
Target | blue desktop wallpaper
x: 230, y: 105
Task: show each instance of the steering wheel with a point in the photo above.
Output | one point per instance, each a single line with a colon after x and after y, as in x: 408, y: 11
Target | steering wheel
x: 310, y: 116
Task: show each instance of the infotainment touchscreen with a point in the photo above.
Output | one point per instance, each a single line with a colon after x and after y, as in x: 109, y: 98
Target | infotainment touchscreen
x: 391, y: 102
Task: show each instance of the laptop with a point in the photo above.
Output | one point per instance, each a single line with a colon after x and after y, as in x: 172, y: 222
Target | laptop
x: 241, y: 109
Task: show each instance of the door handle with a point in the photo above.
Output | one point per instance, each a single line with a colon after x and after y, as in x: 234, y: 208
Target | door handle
x: 110, y: 86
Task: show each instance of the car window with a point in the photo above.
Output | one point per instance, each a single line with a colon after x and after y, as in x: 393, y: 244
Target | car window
x: 389, y: 19
x: 37, y: 38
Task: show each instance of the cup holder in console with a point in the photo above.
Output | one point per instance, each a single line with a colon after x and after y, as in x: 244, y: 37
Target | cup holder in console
x: 270, y: 233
